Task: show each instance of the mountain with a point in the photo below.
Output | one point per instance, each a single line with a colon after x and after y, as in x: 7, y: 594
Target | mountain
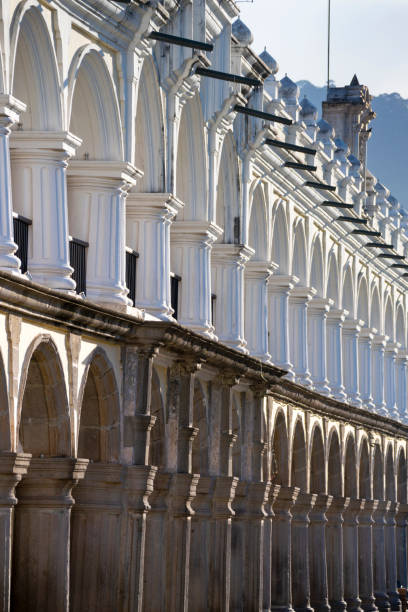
x: 387, y: 147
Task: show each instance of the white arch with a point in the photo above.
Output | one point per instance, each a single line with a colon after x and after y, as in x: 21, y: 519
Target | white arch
x: 280, y: 240
x: 299, y: 259
x: 93, y: 108
x: 375, y: 315
x: 258, y: 226
x: 228, y: 203
x: 348, y: 291
x: 33, y: 69
x: 149, y: 131
x: 317, y: 266
x: 191, y: 163
x: 362, y: 300
x: 333, y: 279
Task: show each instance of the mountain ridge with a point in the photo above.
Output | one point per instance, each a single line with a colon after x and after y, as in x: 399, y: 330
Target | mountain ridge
x: 387, y: 156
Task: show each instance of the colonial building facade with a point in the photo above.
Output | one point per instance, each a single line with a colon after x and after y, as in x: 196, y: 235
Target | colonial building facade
x: 203, y: 323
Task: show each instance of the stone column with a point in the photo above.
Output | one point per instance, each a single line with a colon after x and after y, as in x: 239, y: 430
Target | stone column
x: 351, y: 330
x: 281, y: 576
x: 267, y: 567
x: 317, y: 316
x: 364, y: 354
x: 228, y: 266
x: 390, y: 381
x: 12, y: 467
x: 334, y: 354
x: 298, y: 336
x: 42, y: 534
x: 9, y: 114
x: 38, y: 169
x: 334, y: 548
x: 317, y: 554
x: 167, y: 564
x: 300, y: 552
x: 350, y: 559
x: 148, y: 220
x: 391, y: 557
x: 378, y: 349
x: 279, y: 288
x: 191, y: 245
x: 401, y: 543
x: 380, y: 585
x: 257, y: 274
x: 365, y: 556
x: 210, y: 570
x: 402, y: 373
x: 97, y: 215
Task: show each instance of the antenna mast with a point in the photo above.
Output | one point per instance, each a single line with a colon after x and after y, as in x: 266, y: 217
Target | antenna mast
x: 328, y: 45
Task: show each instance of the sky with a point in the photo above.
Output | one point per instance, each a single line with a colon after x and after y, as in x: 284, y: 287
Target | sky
x: 368, y: 37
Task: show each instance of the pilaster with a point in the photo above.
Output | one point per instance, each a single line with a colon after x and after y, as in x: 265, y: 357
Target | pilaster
x: 334, y: 356
x: 391, y: 557
x: 379, y: 568
x: 365, y: 556
x: 350, y: 561
x: 257, y: 275
x: 317, y: 317
x: 300, y: 551
x: 351, y: 331
x: 365, y: 381
x: 378, y: 373
x: 298, y: 333
x: 317, y: 554
x: 335, y: 556
x: 279, y: 288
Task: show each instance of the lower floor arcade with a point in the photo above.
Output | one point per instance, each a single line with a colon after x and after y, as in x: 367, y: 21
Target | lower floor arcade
x: 145, y: 468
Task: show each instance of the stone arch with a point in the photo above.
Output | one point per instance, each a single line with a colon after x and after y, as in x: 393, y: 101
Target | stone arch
x: 400, y: 335
x: 280, y: 451
x: 348, y: 292
x: 228, y: 213
x: 201, y: 442
x: 280, y: 240
x: 93, y: 108
x: 34, y: 71
x: 334, y: 480
x: 5, y: 429
x: 44, y: 422
x: 401, y: 477
x: 362, y: 300
x: 99, y: 416
x: 378, y: 474
x: 317, y: 461
x: 299, y: 260
x: 364, y: 471
x: 149, y: 131
x: 191, y: 170
x: 317, y: 266
x: 350, y: 468
x: 388, y: 318
x: 258, y: 226
x: 375, y: 318
x: 299, y: 465
x: 157, y: 435
x: 390, y: 492
x: 333, y: 279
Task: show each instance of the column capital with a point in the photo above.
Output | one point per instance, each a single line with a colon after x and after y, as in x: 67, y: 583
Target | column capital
x: 320, y: 507
x: 392, y: 348
x: 321, y: 305
x: 402, y: 515
x: 258, y: 269
x: 381, y: 511
x: 337, y: 507
x: 280, y: 283
x: 194, y: 232
x: 302, y: 294
x: 153, y: 205
x: 10, y: 109
x: 367, y: 334
x: 232, y: 253
x: 302, y: 506
x: 223, y: 496
x: 26, y: 142
x: 353, y: 326
x: 102, y: 173
x: 353, y: 510
x: 284, y: 500
x: 337, y: 315
x: 366, y: 514
x: 184, y: 367
x: 379, y: 341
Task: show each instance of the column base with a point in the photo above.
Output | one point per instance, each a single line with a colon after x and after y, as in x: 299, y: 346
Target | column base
x: 304, y: 379
x: 303, y: 609
x: 338, y: 605
x: 322, y: 388
x: 354, y: 605
x: 382, y: 602
x: 58, y: 278
x: 355, y: 400
x: 368, y: 605
x: 395, y: 601
x: 339, y: 394
x: 381, y: 409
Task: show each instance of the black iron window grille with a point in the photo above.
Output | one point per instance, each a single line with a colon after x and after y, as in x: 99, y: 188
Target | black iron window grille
x: 131, y: 267
x: 20, y: 228
x: 213, y: 305
x: 77, y: 260
x: 174, y: 292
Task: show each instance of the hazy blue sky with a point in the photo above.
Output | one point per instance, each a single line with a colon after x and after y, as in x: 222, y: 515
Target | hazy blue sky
x: 369, y: 37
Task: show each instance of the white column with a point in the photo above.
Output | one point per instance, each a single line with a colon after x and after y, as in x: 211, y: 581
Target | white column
x: 364, y: 355
x: 298, y: 303
x: 38, y: 169
x: 351, y: 330
x: 9, y: 109
x: 279, y: 288
x: 148, y: 220
x: 257, y: 274
x: 317, y: 316
x: 390, y: 381
x: 97, y: 194
x: 377, y: 364
x: 191, y: 244
x: 334, y: 331
x: 402, y: 372
x: 228, y: 266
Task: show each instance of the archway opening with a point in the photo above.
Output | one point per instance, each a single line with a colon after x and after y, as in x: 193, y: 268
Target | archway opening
x: 317, y: 463
x: 402, y: 478
x: 350, y: 469
x: 390, y: 476
x: 364, y: 472
x: 157, y: 434
x: 298, y: 467
x: 378, y: 476
x: 334, y: 467
x: 280, y: 452
x: 200, y: 446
